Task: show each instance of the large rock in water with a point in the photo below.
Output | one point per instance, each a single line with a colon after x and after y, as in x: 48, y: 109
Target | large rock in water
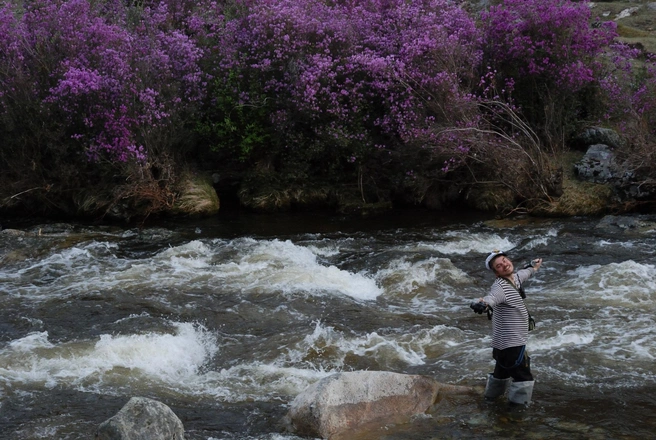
x: 142, y: 419
x: 347, y: 401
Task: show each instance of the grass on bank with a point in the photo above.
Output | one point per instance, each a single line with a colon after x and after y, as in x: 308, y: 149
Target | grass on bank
x: 579, y: 197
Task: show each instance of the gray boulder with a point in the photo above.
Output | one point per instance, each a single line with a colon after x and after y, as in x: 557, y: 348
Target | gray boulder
x: 601, y: 165
x: 598, y: 135
x: 598, y: 165
x: 142, y: 419
x: 346, y: 402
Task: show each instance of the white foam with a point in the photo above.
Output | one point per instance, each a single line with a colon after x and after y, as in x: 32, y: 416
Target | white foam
x: 590, y: 351
x: 564, y: 337
x: 389, y: 350
x: 643, y: 347
x: 159, y: 357
x: 327, y: 250
x: 431, y: 283
x: 31, y: 342
x: 245, y: 264
x: 461, y: 243
x: 284, y: 266
x: 193, y: 250
x: 540, y: 241
x: 610, y: 244
x: 260, y: 381
x: 402, y: 276
x: 627, y: 283
x: 70, y: 271
x: 170, y: 357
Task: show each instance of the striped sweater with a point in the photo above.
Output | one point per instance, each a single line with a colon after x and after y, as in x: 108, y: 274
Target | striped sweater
x: 510, y: 317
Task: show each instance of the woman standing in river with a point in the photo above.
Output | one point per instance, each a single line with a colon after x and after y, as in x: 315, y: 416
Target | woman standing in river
x: 510, y: 326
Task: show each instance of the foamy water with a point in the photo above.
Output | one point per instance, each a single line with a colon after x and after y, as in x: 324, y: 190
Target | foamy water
x: 122, y: 360
x: 251, y: 319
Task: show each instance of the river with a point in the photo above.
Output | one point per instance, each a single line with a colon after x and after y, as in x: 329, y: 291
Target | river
x: 226, y: 320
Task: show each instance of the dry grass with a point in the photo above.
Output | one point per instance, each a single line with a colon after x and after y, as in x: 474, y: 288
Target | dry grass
x: 578, y: 198
x: 196, y: 196
x: 629, y: 33
x: 272, y: 199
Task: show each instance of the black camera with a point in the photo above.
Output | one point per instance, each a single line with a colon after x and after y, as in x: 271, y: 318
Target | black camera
x: 478, y: 307
x: 532, y: 263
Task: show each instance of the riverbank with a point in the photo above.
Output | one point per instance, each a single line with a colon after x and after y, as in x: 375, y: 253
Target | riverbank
x: 184, y: 146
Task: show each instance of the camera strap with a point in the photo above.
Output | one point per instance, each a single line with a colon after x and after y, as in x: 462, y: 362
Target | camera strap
x: 520, y: 358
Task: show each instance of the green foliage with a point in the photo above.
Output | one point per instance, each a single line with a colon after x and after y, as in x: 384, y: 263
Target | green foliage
x: 236, y: 129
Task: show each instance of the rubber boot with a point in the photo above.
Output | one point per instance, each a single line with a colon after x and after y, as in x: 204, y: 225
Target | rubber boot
x: 495, y: 387
x: 521, y: 392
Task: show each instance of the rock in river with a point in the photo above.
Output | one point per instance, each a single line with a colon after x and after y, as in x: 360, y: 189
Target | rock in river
x: 142, y: 419
x: 347, y: 401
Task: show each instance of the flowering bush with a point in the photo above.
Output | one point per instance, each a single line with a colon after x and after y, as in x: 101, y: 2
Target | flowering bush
x: 393, y: 95
x: 644, y: 97
x: 629, y: 91
x: 339, y: 85
x: 550, y: 51
x: 114, y: 82
x: 100, y: 81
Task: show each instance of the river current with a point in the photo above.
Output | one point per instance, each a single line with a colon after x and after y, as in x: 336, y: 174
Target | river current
x: 226, y: 320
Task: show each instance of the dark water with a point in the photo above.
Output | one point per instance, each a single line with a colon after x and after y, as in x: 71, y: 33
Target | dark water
x: 226, y: 320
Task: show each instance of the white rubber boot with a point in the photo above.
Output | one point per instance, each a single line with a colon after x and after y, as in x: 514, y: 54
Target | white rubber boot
x: 521, y: 392
x: 495, y: 387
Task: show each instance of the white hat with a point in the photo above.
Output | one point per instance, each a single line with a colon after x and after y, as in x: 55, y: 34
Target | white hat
x: 495, y: 253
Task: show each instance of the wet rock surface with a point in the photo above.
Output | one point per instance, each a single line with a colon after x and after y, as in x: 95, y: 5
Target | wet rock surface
x: 142, y: 419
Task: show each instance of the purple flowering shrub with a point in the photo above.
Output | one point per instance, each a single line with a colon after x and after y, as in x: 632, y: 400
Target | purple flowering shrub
x: 551, y: 52
x: 124, y: 84
x: 391, y: 96
x: 643, y: 99
x: 641, y: 158
x: 327, y: 87
x: 96, y: 83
